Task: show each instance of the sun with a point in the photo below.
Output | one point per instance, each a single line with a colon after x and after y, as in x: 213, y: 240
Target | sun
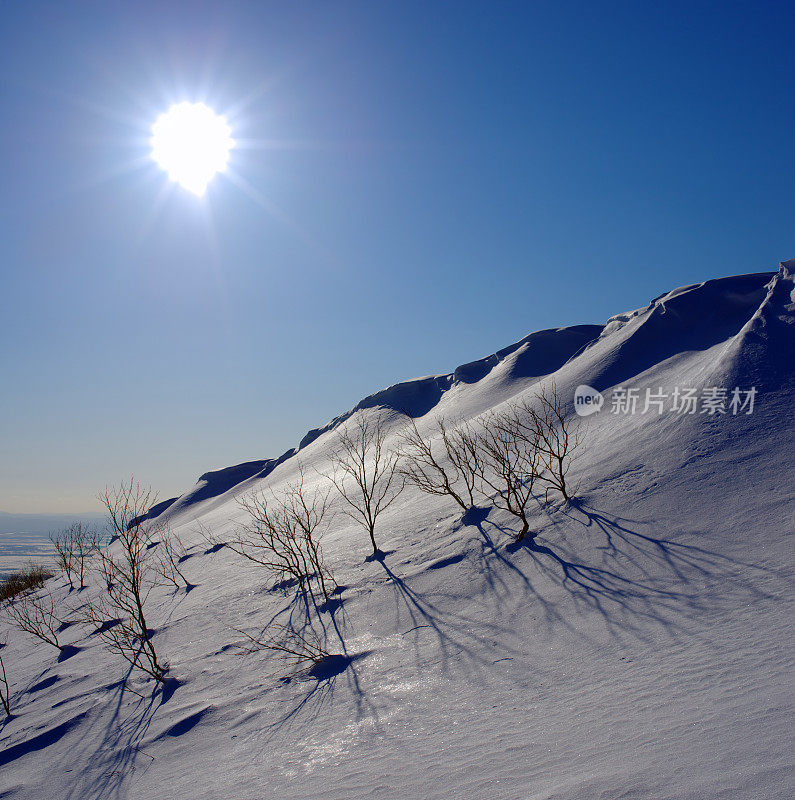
x: 191, y: 143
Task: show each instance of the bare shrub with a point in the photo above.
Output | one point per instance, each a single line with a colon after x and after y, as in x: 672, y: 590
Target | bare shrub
x: 35, y: 614
x: 63, y: 554
x: 366, y: 474
x: 22, y: 581
x: 511, y: 462
x: 558, y: 441
x: 283, y: 535
x: 170, y: 553
x: 119, y: 613
x: 298, y: 647
x: 463, y: 448
x: 505, y: 457
x: 74, y: 547
x: 453, y: 467
x: 427, y: 465
x: 5, y: 689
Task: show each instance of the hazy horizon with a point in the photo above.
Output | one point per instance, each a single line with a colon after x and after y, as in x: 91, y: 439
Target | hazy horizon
x: 26, y: 537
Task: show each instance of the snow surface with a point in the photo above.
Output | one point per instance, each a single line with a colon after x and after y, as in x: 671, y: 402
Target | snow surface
x: 639, y: 647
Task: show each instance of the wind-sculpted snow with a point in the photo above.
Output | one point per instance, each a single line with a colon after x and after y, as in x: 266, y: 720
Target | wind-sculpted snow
x: 691, y: 318
x: 637, y: 646
x: 217, y: 482
x: 763, y: 352
x: 694, y: 318
x: 536, y: 355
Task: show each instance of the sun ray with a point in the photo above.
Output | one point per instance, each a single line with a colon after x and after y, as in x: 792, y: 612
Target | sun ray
x: 161, y: 197
x: 278, y: 214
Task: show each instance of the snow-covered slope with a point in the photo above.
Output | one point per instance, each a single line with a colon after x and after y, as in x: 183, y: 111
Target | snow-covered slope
x: 638, y: 647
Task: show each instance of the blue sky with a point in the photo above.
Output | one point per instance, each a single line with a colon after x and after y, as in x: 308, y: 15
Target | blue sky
x: 418, y: 185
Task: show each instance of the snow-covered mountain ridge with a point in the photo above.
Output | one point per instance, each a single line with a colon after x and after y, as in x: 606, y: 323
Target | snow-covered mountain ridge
x: 638, y: 647
x: 729, y: 302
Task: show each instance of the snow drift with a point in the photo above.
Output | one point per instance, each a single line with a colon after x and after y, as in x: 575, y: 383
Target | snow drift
x: 637, y: 647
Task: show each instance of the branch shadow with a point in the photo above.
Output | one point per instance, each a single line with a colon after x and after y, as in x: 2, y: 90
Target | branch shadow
x: 304, y: 612
x: 454, y: 633
x: 114, y: 754
x: 635, y: 576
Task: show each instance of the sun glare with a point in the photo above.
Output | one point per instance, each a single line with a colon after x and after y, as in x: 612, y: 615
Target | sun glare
x: 191, y: 143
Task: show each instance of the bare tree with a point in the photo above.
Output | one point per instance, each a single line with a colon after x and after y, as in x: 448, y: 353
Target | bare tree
x: 429, y: 467
x: 35, y: 614
x: 170, y: 554
x: 511, y: 462
x: 283, y: 535
x: 5, y: 689
x: 463, y: 448
x: 558, y: 441
x: 64, y: 556
x: 308, y: 513
x: 87, y: 543
x: 366, y: 474
x: 119, y: 612
x: 74, y: 547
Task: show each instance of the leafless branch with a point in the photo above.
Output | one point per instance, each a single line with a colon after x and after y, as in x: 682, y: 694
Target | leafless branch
x: 128, y: 578
x: 170, y: 553
x: 298, y: 647
x: 74, y: 547
x: 558, y: 439
x: 5, y: 689
x: 35, y: 614
x: 427, y: 465
x: 511, y: 462
x: 283, y: 535
x: 366, y: 474
x: 463, y: 447
x: 210, y: 538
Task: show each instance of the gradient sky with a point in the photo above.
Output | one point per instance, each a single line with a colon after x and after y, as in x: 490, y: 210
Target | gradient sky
x: 417, y: 185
